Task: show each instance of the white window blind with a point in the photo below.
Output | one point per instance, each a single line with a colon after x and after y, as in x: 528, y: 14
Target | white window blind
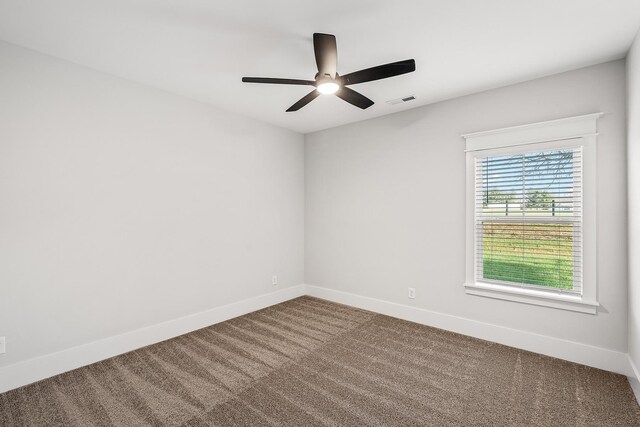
x: 528, y: 220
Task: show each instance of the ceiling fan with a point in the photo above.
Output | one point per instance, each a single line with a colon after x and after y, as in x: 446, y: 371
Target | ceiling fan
x: 328, y: 81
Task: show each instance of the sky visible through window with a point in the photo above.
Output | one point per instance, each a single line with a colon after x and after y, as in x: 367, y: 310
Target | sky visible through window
x: 532, y: 181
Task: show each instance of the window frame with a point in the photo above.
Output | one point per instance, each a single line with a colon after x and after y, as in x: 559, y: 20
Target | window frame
x: 571, y: 132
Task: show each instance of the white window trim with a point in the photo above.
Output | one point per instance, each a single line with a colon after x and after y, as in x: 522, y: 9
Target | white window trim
x: 580, y: 131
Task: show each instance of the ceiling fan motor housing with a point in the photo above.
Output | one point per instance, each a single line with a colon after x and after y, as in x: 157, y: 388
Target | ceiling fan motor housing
x: 326, y: 78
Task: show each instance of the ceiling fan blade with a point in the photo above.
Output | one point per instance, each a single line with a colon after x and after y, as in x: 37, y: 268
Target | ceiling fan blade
x: 324, y: 46
x: 379, y: 72
x: 354, y: 98
x: 278, y: 81
x: 304, y: 101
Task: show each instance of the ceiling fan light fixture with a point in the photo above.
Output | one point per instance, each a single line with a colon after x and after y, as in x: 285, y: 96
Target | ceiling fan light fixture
x: 327, y: 81
x: 328, y: 88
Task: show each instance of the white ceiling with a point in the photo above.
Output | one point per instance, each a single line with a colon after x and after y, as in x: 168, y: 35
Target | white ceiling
x: 201, y: 49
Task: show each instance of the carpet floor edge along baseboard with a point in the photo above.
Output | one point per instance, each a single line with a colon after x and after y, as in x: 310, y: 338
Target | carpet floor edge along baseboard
x: 308, y: 361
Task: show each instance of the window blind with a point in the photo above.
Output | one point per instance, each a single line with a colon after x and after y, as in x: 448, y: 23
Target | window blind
x: 528, y: 220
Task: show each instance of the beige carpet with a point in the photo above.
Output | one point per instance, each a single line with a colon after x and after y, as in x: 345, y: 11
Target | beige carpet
x: 310, y: 362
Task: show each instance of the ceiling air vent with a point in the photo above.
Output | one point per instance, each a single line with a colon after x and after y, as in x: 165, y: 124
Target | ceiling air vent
x: 401, y: 100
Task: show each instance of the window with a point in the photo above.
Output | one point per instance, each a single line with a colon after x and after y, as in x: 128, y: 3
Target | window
x: 531, y: 214
x: 527, y: 219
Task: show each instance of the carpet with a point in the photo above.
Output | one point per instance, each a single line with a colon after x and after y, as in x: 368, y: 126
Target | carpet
x: 310, y: 362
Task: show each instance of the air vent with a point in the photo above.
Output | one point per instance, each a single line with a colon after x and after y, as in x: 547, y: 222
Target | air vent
x: 401, y: 100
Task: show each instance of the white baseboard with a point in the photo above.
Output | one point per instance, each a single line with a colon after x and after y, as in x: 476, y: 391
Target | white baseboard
x: 29, y: 371
x: 39, y: 368
x: 634, y: 380
x: 584, y: 354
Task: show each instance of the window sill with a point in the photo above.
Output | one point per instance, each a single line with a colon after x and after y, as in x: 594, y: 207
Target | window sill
x: 532, y: 296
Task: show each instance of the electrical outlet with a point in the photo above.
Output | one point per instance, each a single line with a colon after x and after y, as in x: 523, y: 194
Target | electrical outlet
x: 2, y: 345
x: 412, y: 293
x: 274, y: 280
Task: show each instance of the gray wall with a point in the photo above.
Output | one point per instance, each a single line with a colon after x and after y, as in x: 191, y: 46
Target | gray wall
x: 385, y: 203
x: 633, y: 168
x: 123, y: 206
